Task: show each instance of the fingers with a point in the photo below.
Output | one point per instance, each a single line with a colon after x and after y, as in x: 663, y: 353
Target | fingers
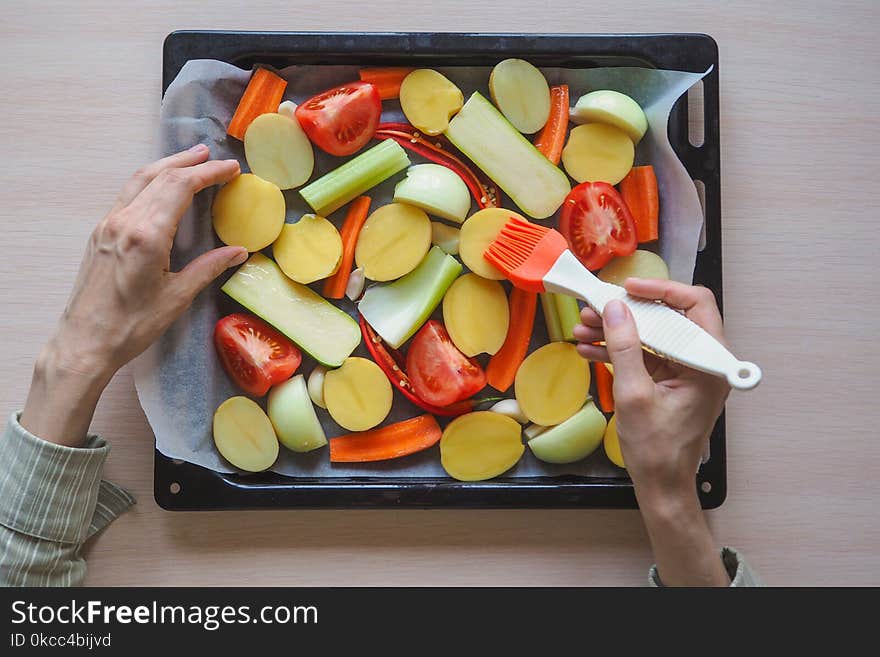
x: 588, y: 334
x: 696, y: 301
x: 593, y: 352
x: 590, y: 317
x: 144, y: 176
x: 198, y: 274
x: 631, y: 379
x: 171, y: 192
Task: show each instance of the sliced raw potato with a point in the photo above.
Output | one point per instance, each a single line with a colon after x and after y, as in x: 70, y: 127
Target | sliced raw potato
x: 532, y: 181
x: 611, y: 443
x: 393, y: 241
x: 244, y: 436
x: 640, y: 264
x: 480, y: 446
x: 278, y: 150
x: 573, y: 440
x: 248, y: 211
x: 612, y: 108
x: 552, y: 383
x: 598, y: 153
x: 521, y: 93
x: 476, y: 314
x: 435, y: 189
x: 293, y: 416
x: 308, y: 250
x: 446, y: 237
x: 428, y: 99
x: 477, y: 233
x: 316, y: 386
x: 358, y: 394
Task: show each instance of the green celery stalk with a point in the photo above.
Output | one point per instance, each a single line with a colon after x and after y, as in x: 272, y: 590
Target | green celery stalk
x: 397, y: 310
x: 569, y: 315
x: 551, y: 317
x: 333, y: 190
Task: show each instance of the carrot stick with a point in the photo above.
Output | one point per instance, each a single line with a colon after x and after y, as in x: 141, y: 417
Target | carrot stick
x: 551, y: 138
x: 389, y: 442
x: 386, y: 80
x: 263, y: 95
x: 502, y: 367
x: 639, y: 192
x: 334, y: 287
x: 604, y: 387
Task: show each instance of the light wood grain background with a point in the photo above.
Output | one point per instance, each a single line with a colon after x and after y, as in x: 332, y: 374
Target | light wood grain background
x: 80, y: 95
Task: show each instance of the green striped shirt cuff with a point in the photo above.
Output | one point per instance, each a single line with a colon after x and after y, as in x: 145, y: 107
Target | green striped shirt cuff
x: 53, y: 492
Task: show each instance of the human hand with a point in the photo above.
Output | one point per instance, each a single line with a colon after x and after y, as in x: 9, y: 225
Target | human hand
x: 665, y: 413
x: 125, y: 295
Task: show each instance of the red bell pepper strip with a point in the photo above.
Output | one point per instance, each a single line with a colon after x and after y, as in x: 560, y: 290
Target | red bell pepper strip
x: 604, y: 387
x: 440, y: 150
x: 389, y: 361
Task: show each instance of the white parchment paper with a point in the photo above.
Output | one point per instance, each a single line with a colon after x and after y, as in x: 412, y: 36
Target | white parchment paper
x: 180, y: 381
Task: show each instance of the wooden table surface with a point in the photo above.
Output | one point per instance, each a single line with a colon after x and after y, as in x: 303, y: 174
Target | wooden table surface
x: 799, y: 84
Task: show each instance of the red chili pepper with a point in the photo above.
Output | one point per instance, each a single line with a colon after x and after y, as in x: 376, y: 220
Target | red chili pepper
x: 441, y: 151
x: 388, y: 360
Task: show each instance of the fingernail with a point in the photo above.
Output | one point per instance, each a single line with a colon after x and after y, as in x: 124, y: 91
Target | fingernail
x: 239, y: 259
x: 235, y: 162
x: 615, y: 313
x: 198, y: 147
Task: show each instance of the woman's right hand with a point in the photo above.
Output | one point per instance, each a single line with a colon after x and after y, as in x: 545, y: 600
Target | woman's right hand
x: 665, y: 413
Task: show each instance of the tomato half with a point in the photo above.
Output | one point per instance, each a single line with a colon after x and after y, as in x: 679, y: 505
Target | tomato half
x: 439, y: 372
x: 597, y: 224
x: 343, y: 119
x: 254, y: 355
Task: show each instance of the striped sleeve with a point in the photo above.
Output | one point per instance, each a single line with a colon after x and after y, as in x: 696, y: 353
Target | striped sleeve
x: 741, y: 574
x: 52, y: 499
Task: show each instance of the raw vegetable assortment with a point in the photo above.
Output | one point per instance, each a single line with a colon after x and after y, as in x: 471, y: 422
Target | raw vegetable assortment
x: 404, y: 262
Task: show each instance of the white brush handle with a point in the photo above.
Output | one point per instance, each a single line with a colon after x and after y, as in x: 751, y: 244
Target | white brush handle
x: 662, y: 329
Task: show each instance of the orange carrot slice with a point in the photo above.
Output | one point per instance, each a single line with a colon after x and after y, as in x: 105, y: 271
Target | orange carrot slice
x: 388, y: 442
x: 386, y: 80
x: 639, y: 192
x: 604, y: 387
x: 263, y: 95
x: 334, y: 287
x: 502, y: 367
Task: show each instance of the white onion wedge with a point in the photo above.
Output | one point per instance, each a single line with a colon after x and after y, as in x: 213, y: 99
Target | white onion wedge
x: 510, y: 408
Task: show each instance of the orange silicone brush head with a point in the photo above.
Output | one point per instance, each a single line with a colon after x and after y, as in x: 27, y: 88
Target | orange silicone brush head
x: 525, y: 252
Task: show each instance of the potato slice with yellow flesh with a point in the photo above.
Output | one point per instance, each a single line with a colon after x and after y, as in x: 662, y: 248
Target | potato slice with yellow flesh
x: 639, y: 264
x: 480, y: 446
x: 598, y: 153
x: 521, y: 93
x: 358, y: 394
x: 278, y: 150
x: 248, y: 211
x: 477, y: 233
x: 308, y: 250
x: 393, y: 241
x: 244, y: 436
x: 611, y: 442
x: 476, y: 314
x: 428, y: 99
x: 552, y: 383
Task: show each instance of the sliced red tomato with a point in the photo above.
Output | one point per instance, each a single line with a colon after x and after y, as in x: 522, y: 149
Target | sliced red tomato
x: 597, y: 224
x: 254, y: 355
x: 343, y: 119
x: 439, y: 372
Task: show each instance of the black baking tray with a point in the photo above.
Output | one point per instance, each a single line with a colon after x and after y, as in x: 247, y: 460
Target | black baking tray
x: 183, y: 486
